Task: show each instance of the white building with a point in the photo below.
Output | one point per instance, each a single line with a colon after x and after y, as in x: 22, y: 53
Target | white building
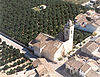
x: 52, y: 48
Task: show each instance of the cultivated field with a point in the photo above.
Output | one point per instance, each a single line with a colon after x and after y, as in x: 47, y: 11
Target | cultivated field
x: 11, y: 60
x: 23, y: 23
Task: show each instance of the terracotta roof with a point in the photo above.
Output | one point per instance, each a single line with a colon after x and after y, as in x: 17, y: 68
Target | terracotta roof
x: 92, y: 73
x: 85, y: 67
x: 96, y: 23
x: 74, y: 63
x: 98, y: 40
x: 41, y: 40
x: 91, y: 61
x: 83, y: 19
x: 90, y: 46
x: 43, y: 67
x: 50, y: 44
x: 41, y: 70
x: 87, y: 44
x: 38, y: 62
x: 51, y: 48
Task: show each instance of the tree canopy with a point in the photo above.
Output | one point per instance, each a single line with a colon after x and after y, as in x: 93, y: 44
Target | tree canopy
x: 23, y: 23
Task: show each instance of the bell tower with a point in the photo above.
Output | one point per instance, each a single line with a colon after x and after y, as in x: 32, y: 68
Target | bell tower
x: 68, y: 31
x: 68, y: 34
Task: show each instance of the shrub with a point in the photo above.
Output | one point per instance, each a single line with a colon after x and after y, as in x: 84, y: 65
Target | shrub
x: 59, y: 59
x: 3, y: 43
x: 19, y: 69
x: 94, y: 34
x: 11, y: 72
x: 5, y: 67
x: 23, y: 60
x: 18, y: 62
x: 0, y: 70
x: 80, y: 45
x: 77, y: 47
x: 24, y: 66
x: 14, y: 64
x: 30, y: 67
x: 83, y: 42
x: 64, y: 56
x: 73, y: 50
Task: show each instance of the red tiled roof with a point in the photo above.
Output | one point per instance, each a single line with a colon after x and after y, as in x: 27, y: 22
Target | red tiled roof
x: 85, y: 67
x: 74, y: 63
x: 82, y: 19
x: 43, y: 67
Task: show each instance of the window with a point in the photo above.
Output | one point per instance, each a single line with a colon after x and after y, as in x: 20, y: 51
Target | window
x: 71, y: 31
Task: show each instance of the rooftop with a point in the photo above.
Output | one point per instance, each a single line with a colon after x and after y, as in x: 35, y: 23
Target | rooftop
x: 91, y: 17
x: 74, y: 63
x: 41, y: 40
x: 43, y: 68
x: 92, y: 73
x: 92, y: 45
x: 49, y: 44
x: 85, y: 67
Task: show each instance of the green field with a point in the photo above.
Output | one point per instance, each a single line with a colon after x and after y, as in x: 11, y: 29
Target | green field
x: 21, y: 22
x: 11, y: 60
x: 80, y: 35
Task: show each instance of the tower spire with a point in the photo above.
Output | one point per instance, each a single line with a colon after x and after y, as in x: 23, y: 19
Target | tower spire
x: 68, y: 30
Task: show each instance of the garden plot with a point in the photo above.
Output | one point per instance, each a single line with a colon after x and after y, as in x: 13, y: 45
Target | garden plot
x: 12, y: 61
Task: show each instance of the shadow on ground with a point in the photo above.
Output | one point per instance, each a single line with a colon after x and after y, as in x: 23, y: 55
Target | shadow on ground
x: 62, y: 70
x: 29, y: 54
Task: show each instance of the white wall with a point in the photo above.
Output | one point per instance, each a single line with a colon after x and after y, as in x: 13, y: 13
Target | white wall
x: 84, y: 73
x: 67, y: 46
x: 81, y: 73
x: 58, y: 53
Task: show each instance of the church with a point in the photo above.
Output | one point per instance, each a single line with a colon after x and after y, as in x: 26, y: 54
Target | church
x: 52, y: 48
